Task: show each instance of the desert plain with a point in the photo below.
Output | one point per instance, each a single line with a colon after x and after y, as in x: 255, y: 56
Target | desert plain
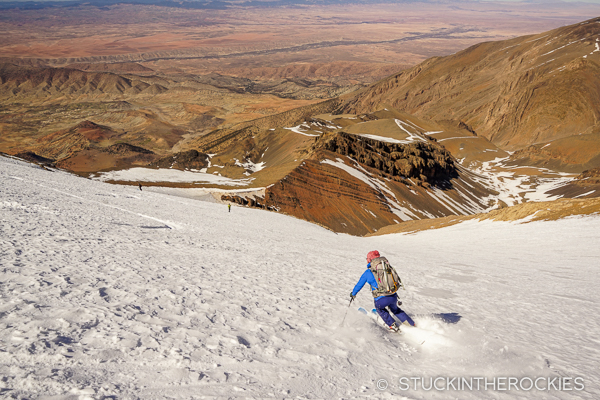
x: 229, y: 65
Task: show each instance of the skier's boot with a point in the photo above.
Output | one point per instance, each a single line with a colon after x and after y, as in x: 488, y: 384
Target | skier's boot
x: 395, y: 328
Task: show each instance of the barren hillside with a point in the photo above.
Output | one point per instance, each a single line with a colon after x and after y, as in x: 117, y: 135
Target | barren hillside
x: 530, y: 91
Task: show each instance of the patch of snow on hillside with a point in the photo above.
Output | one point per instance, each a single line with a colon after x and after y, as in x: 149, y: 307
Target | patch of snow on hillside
x: 458, y: 137
x: 562, y: 47
x: 352, y: 171
x: 448, y: 202
x: 508, y: 47
x: 210, y: 156
x: 539, y: 65
x: 413, y: 124
x: 535, y: 40
x: 551, y: 40
x: 542, y: 186
x: 383, y: 139
x: 585, y: 194
x: 249, y: 165
x: 168, y: 175
x: 563, y: 67
x: 412, y: 137
x: 514, y: 189
x: 297, y: 129
x: 470, y: 201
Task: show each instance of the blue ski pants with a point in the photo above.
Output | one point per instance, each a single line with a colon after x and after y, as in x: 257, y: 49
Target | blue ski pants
x: 384, y: 303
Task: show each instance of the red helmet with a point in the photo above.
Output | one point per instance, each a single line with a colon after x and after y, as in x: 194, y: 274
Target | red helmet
x: 372, y: 255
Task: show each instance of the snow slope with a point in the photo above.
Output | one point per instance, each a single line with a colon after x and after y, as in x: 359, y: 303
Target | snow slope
x: 111, y: 292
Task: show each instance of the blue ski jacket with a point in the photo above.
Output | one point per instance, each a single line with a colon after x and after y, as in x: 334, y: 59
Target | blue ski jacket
x: 366, y: 277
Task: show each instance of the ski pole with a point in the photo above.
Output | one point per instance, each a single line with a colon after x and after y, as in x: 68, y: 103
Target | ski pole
x: 351, y: 299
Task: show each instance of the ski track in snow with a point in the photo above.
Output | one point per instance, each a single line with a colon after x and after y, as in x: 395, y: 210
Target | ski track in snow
x: 99, y: 299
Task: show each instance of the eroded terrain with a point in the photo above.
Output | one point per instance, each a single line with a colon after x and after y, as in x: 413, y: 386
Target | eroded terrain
x: 279, y: 103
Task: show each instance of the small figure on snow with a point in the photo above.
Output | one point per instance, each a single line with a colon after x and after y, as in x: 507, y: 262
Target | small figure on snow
x: 384, y: 283
x: 140, y: 185
x: 229, y: 207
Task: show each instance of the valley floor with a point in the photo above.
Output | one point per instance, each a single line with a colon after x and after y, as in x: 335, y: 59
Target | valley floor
x: 112, y: 292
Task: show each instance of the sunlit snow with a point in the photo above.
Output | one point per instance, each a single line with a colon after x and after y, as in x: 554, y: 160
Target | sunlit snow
x: 298, y: 129
x: 169, y: 175
x: 412, y: 137
x: 383, y: 139
x: 108, y: 292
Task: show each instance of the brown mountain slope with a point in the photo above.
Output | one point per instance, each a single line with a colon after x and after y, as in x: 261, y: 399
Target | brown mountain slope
x: 352, y: 197
x: 156, y: 112
x: 125, y: 67
x: 88, y: 147
x: 570, y: 154
x: 516, y: 93
x: 23, y: 82
x: 63, y: 144
x: 376, y: 171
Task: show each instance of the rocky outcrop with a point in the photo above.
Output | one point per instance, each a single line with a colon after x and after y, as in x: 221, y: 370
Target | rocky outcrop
x: 34, y: 158
x: 126, y: 149
x: 589, y: 177
x: 191, y: 159
x: 252, y: 202
x: 357, y: 185
x: 422, y: 161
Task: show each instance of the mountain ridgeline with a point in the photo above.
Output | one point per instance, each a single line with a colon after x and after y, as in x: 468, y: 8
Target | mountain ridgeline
x: 412, y: 146
x: 527, y: 91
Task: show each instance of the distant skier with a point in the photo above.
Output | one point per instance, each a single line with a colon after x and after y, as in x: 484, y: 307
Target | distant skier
x: 229, y: 207
x: 384, y: 283
x: 140, y: 185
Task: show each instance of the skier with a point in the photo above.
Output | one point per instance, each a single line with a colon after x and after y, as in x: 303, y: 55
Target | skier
x: 229, y: 207
x: 384, y: 300
x: 140, y: 185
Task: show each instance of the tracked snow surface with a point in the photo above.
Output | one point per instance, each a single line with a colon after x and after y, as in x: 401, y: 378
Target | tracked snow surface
x: 109, y: 292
